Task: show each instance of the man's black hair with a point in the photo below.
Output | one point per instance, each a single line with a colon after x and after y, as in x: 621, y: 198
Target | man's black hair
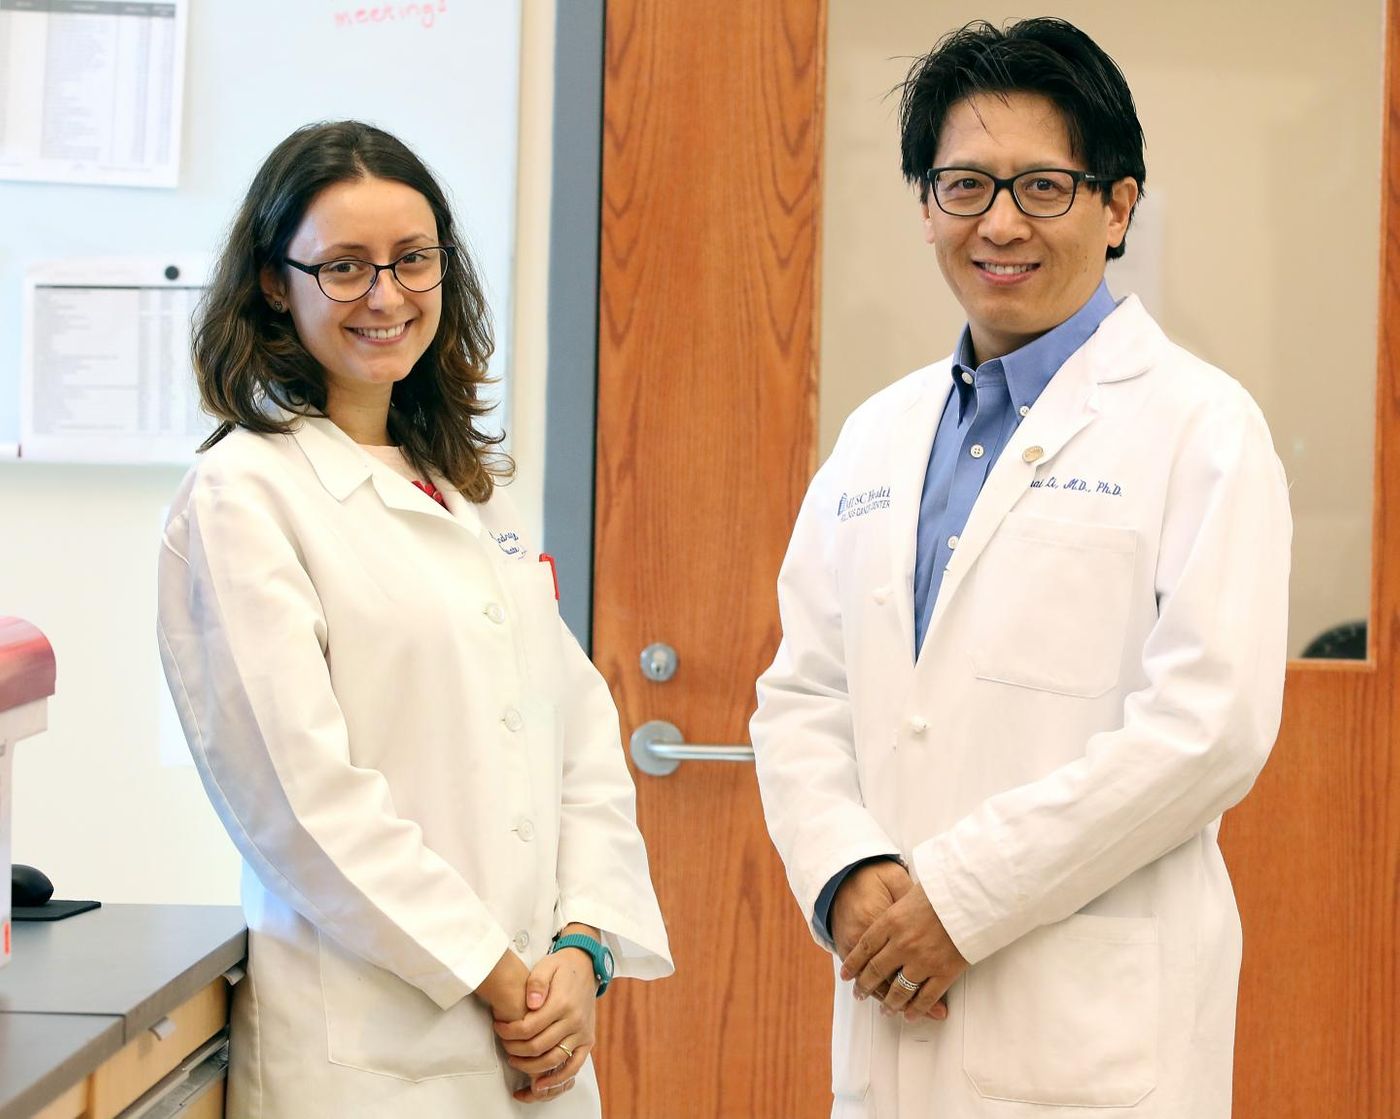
x: 1043, y: 56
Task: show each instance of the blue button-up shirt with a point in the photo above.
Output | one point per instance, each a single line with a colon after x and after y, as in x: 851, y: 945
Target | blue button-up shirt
x: 986, y: 404
x: 988, y: 401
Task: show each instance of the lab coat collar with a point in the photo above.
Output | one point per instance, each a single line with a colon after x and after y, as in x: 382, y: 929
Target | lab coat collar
x: 1028, y: 370
x: 1124, y: 346
x: 342, y: 468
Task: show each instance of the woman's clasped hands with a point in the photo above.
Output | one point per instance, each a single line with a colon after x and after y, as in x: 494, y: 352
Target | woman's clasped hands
x: 545, y: 1018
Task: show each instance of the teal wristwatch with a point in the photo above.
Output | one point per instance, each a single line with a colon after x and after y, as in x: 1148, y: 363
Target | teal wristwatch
x: 597, y: 952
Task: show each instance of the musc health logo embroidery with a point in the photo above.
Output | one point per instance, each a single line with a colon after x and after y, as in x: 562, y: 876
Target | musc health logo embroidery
x: 859, y: 504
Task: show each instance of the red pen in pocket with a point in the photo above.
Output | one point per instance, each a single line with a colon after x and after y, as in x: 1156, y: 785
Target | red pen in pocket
x: 553, y: 571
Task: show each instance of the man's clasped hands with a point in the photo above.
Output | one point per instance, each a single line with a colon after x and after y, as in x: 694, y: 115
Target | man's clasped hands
x: 545, y: 1017
x: 884, y: 926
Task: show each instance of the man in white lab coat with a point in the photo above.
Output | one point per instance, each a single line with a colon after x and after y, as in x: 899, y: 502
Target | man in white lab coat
x: 1033, y: 642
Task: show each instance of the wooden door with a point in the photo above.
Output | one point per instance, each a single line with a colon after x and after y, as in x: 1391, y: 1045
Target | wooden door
x: 1314, y: 851
x: 705, y: 443
x: 706, y: 437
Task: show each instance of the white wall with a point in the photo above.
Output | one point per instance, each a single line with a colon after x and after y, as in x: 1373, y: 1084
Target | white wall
x: 1263, y: 128
x: 94, y: 807
x: 529, y: 337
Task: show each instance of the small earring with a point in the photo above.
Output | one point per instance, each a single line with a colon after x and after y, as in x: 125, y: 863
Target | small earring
x: 278, y: 306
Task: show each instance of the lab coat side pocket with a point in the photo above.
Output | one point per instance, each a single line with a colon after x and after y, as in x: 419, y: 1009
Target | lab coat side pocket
x: 375, y: 1022
x: 852, y: 1034
x: 1067, y: 1016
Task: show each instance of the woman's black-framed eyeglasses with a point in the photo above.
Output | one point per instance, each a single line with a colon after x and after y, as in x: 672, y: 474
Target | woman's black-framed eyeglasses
x: 1047, y: 192
x: 347, y: 279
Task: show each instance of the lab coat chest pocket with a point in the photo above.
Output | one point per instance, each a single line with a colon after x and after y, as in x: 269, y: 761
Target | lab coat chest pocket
x: 531, y: 589
x: 375, y: 1022
x: 1067, y: 1016
x: 1051, y: 601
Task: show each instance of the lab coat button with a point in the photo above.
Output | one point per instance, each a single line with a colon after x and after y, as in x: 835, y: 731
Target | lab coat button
x: 918, y: 725
x: 881, y: 595
x: 513, y: 719
x: 494, y: 612
x: 525, y: 831
x: 1032, y: 454
x: 977, y: 450
x: 521, y: 941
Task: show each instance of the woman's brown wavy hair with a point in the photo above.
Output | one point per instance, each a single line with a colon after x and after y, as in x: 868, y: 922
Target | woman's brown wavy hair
x: 246, y: 356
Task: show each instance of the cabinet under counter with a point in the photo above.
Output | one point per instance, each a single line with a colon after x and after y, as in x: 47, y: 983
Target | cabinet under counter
x: 95, y: 1010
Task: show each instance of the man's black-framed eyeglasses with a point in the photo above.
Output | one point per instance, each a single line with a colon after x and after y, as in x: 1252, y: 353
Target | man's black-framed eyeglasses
x: 347, y: 279
x: 1047, y: 192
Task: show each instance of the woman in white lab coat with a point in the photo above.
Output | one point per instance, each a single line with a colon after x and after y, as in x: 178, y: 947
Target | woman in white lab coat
x: 419, y: 765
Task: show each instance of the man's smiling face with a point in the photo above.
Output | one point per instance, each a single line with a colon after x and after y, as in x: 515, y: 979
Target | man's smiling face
x: 1017, y: 277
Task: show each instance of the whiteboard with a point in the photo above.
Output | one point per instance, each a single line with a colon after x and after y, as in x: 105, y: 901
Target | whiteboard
x: 442, y: 75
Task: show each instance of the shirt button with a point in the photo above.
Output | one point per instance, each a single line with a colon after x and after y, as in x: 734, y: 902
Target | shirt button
x: 521, y: 941
x: 967, y: 377
x: 525, y: 831
x: 953, y: 541
x: 1025, y: 410
x: 918, y: 725
x: 493, y: 611
x: 512, y: 719
x: 977, y: 450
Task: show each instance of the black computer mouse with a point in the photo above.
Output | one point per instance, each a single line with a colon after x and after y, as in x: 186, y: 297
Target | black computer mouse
x: 29, y: 886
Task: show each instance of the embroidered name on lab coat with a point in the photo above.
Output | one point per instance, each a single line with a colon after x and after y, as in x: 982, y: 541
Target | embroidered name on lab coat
x: 509, y: 542
x: 1078, y: 485
x: 859, y: 504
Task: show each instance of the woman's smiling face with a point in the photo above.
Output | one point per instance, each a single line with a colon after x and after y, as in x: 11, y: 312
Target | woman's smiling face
x: 366, y: 345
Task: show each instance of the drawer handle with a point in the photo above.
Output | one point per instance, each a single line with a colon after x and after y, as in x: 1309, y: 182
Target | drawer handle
x: 164, y: 1029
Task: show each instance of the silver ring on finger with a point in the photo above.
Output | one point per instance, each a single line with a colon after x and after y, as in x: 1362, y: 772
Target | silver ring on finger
x: 906, y: 983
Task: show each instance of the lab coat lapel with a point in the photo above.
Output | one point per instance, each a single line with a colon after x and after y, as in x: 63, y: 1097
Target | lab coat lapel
x: 399, y: 493
x: 1119, y: 349
x: 911, y: 440
x: 342, y: 468
x: 463, y: 511
x: 338, y: 463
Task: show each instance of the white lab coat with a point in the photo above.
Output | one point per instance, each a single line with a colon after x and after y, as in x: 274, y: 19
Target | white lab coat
x: 417, y: 762
x: 1102, y: 677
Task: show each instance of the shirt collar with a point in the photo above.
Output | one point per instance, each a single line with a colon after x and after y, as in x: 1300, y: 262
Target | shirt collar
x: 1029, y: 369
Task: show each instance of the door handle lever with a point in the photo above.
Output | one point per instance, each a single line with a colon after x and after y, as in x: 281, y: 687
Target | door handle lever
x: 658, y: 748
